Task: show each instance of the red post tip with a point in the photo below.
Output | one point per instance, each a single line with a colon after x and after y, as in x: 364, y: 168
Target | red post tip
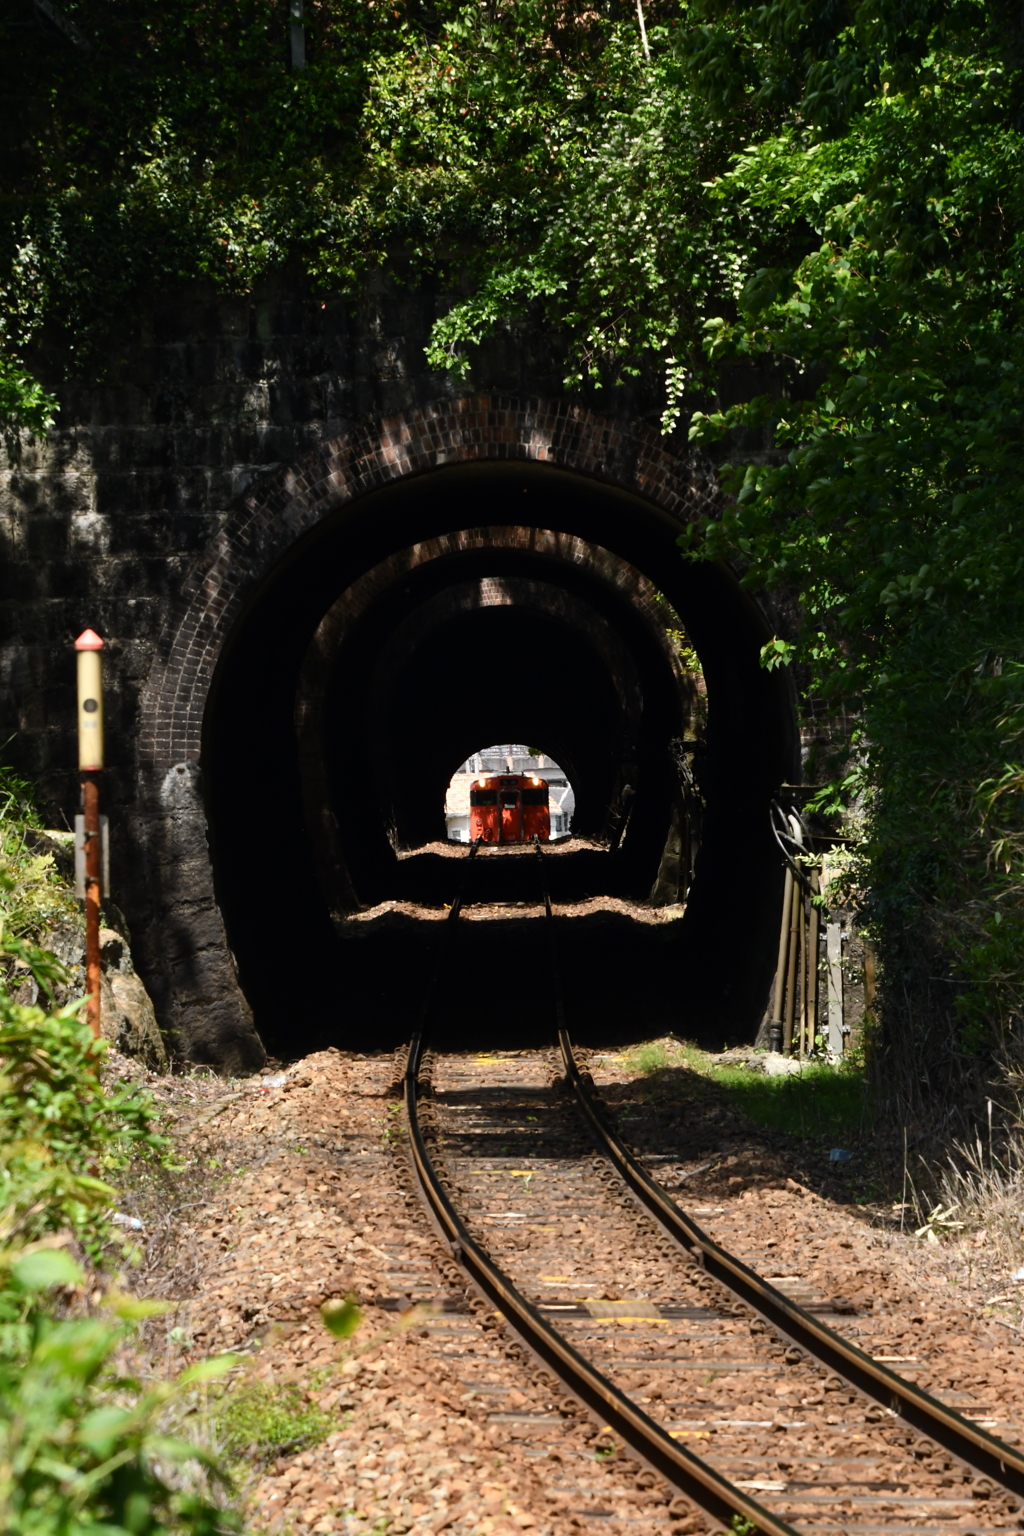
x: 88, y: 640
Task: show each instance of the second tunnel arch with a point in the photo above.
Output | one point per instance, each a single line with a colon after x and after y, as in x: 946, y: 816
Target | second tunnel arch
x: 316, y: 531
x: 513, y: 630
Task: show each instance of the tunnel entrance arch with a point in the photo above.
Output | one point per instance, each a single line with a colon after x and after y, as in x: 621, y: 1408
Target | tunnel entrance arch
x: 228, y: 802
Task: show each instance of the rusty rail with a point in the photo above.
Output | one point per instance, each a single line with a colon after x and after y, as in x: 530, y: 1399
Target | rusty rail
x: 711, y: 1492
x: 976, y: 1448
x: 980, y: 1451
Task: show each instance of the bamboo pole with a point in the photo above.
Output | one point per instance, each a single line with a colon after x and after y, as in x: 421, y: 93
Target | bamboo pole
x: 777, y: 1027
x: 788, y: 1018
x: 801, y: 983
x: 814, y: 925
x: 870, y: 976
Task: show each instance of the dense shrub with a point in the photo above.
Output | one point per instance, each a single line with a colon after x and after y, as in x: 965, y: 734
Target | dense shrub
x: 81, y: 1445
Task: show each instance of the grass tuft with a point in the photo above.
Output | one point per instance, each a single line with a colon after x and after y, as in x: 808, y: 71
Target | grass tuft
x: 648, y: 1059
x: 820, y: 1101
x: 985, y: 1190
x: 260, y: 1420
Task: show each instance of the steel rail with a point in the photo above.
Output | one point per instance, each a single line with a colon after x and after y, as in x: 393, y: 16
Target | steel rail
x: 708, y: 1489
x: 684, y: 1471
x: 976, y: 1448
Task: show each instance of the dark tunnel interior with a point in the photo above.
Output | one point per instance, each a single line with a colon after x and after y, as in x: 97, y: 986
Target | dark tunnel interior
x: 479, y: 649
x: 469, y: 605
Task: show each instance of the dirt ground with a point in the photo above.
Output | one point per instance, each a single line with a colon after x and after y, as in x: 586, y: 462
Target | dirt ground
x: 290, y: 1198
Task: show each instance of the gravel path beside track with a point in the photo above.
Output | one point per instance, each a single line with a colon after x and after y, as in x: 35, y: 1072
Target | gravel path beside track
x: 892, y: 1295
x: 431, y: 1411
x: 437, y: 1427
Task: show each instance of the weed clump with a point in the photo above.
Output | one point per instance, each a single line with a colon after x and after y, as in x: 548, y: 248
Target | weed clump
x: 649, y: 1059
x: 260, y: 1420
x: 33, y: 895
x: 83, y: 1447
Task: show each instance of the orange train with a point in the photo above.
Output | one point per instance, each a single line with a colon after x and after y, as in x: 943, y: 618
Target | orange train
x: 509, y: 808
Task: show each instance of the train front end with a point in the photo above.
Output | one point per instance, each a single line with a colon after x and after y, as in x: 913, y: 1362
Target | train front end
x: 509, y: 808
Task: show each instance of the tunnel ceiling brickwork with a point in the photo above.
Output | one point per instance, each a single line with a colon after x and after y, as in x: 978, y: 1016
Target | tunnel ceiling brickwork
x: 582, y: 553
x: 540, y: 543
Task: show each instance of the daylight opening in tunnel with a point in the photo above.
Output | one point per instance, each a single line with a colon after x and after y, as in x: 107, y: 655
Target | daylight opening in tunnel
x: 508, y: 793
x: 480, y: 604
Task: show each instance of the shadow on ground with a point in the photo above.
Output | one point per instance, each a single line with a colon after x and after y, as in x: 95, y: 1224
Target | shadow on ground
x: 623, y: 979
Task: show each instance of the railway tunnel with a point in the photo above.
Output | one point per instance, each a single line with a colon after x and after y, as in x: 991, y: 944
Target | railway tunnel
x: 421, y: 619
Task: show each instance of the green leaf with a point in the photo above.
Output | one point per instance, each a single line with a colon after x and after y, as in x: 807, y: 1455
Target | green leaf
x: 341, y: 1318
x: 136, y: 1309
x: 209, y: 1369
x: 777, y: 653
x: 45, y: 1267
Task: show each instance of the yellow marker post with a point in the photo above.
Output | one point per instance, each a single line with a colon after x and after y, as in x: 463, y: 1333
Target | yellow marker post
x: 90, y: 764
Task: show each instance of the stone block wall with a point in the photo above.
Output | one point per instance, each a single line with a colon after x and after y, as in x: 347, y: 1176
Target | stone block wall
x: 194, y: 412
x: 199, y: 398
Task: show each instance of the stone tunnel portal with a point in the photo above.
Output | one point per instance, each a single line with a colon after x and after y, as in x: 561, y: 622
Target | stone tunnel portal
x: 483, y: 602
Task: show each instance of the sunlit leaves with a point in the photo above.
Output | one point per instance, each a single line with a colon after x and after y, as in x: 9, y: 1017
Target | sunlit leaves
x: 891, y: 505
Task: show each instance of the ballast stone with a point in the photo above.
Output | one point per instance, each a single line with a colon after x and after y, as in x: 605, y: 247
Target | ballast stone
x: 777, y: 1065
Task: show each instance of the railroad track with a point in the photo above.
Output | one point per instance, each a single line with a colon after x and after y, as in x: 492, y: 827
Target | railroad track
x: 747, y: 1407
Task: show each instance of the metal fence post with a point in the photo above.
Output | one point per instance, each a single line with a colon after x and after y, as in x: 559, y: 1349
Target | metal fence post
x: 834, y: 957
x: 90, y: 765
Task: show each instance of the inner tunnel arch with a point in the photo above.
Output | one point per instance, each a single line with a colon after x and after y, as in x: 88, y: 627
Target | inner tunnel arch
x: 513, y: 631
x: 367, y: 610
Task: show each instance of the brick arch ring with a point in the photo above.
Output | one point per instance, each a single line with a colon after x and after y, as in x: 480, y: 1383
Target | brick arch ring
x: 374, y: 454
